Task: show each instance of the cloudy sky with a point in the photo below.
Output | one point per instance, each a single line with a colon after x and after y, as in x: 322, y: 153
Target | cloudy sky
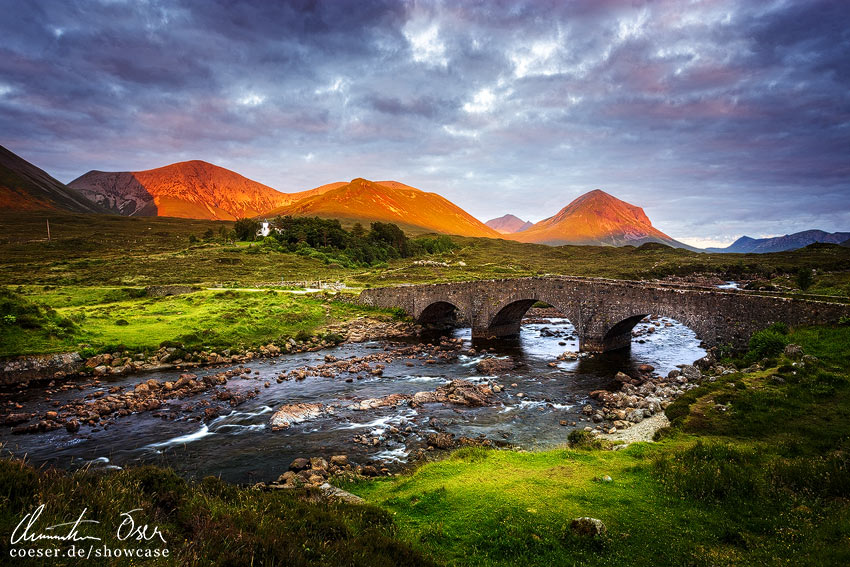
x: 720, y: 118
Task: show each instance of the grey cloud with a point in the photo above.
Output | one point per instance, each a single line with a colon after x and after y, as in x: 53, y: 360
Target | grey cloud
x: 720, y: 118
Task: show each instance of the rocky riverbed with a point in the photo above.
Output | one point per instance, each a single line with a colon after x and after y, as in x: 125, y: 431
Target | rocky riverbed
x: 380, y: 404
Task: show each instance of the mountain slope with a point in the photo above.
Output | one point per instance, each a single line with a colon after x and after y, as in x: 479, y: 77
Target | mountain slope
x: 508, y: 224
x: 745, y: 244
x: 25, y: 187
x: 596, y: 218
x: 389, y: 201
x: 190, y: 189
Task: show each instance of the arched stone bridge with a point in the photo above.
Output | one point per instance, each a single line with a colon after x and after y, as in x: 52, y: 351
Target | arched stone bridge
x: 603, y: 311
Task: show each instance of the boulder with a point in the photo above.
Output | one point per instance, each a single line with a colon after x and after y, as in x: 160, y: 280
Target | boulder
x: 339, y: 460
x: 424, y: 398
x: 588, y: 527
x: 287, y: 478
x: 440, y: 440
x: 692, y: 373
x: 794, y: 351
x: 465, y: 393
x: 495, y: 366
x: 333, y: 493
x: 295, y: 413
x: 299, y: 464
x: 706, y: 362
x: 623, y: 377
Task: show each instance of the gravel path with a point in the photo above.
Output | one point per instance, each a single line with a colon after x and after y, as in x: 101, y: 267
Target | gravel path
x: 642, y: 431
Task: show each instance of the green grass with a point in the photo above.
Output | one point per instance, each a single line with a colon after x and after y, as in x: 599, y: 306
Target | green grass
x: 766, y: 482
x: 107, y: 317
x: 205, y: 523
x: 100, y: 250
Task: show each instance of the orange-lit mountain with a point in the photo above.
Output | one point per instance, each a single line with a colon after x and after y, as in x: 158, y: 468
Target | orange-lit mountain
x: 596, y: 218
x: 508, y: 224
x: 24, y: 187
x: 189, y: 189
x: 389, y: 201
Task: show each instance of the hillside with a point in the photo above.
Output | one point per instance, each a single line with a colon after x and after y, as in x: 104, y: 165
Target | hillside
x: 25, y: 187
x: 595, y: 218
x: 191, y: 189
x: 389, y: 201
x: 508, y: 224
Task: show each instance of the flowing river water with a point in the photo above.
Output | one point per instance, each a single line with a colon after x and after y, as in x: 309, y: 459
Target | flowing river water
x: 239, y: 446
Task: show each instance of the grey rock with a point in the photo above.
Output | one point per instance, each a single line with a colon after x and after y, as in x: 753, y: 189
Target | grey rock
x: 588, y: 527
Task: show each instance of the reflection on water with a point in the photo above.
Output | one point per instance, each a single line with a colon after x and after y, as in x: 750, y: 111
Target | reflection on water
x: 240, y: 447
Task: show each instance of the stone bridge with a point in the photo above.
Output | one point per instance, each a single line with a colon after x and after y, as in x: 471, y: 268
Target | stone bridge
x: 603, y: 311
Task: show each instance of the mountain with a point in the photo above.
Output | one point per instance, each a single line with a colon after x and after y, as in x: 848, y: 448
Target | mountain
x: 596, y: 218
x: 189, y: 189
x: 24, y: 187
x: 508, y: 224
x: 745, y: 244
x: 389, y: 201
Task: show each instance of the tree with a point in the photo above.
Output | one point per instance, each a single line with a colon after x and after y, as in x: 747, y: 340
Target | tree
x: 357, y: 231
x: 388, y: 233
x: 805, y: 279
x: 246, y: 229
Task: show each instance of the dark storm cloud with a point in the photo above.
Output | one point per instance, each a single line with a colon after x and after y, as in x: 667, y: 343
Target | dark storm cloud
x: 719, y: 117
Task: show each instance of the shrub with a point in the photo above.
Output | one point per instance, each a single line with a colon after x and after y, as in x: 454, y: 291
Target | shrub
x: 778, y: 327
x: 17, y: 311
x: 766, y: 344
x: 804, y: 278
x: 712, y: 471
x: 581, y: 439
x: 246, y: 229
x: 303, y: 335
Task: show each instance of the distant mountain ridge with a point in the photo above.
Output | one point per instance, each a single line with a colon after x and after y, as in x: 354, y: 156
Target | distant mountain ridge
x: 389, y: 201
x: 596, y: 218
x: 747, y: 245
x: 189, y: 189
x: 201, y: 190
x: 508, y: 224
x: 25, y: 187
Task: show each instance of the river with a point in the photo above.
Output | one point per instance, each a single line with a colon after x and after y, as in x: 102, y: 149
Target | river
x: 240, y: 447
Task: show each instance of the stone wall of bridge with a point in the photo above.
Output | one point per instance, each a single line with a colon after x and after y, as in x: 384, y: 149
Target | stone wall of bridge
x: 603, y: 311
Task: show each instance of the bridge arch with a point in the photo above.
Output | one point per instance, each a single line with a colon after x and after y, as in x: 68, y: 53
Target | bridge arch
x: 619, y: 335
x: 440, y: 314
x: 507, y: 320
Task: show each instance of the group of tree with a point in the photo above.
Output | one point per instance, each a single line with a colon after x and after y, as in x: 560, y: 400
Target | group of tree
x: 327, y: 240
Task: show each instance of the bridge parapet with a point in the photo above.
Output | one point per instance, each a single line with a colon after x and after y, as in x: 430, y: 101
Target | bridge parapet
x: 603, y: 311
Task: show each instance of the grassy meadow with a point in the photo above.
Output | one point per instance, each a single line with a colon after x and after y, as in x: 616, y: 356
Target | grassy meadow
x: 755, y: 470
x: 88, y: 250
x: 105, y: 319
